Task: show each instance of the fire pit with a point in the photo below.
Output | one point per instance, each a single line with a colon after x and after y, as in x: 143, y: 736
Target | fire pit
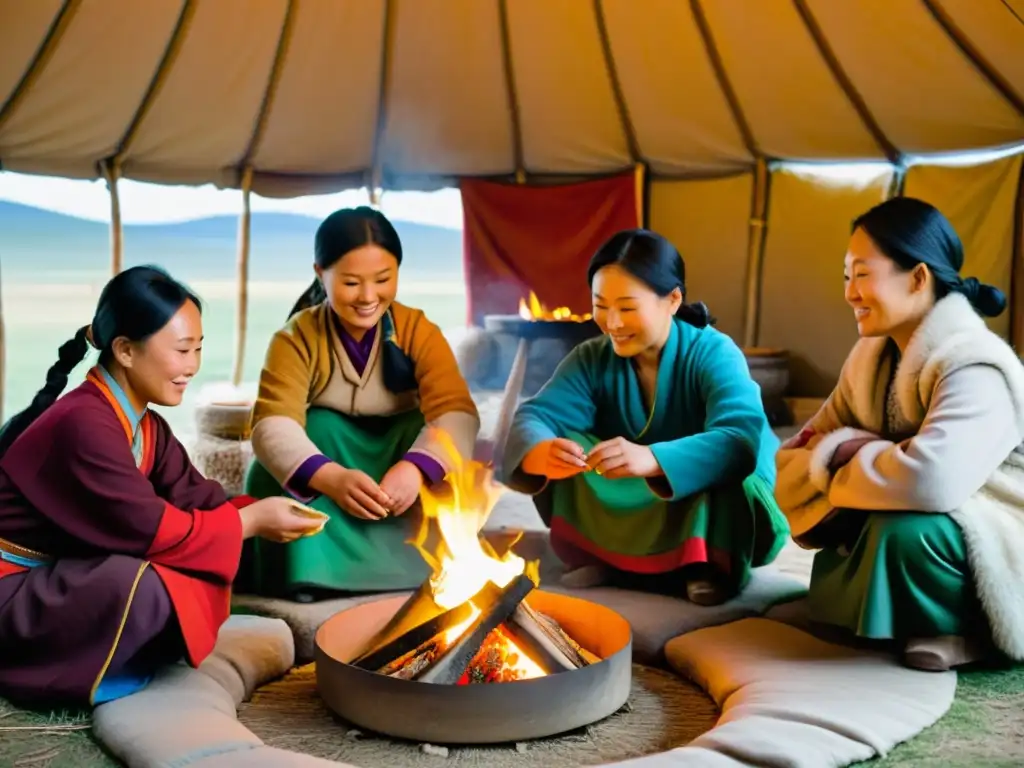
x: 477, y: 654
x: 533, y: 707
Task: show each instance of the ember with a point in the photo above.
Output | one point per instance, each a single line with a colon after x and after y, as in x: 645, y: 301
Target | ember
x: 534, y: 310
x: 469, y: 622
x: 499, y: 660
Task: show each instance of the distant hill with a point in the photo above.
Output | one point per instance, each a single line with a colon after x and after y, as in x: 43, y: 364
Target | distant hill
x: 34, y: 242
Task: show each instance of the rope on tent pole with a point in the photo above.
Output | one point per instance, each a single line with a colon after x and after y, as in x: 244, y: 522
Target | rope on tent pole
x: 511, y: 93
x: 112, y: 174
x: 42, y: 57
x: 898, y: 181
x: 707, y: 36
x: 755, y: 253
x: 375, y: 189
x: 974, y: 56
x: 618, y: 94
x: 375, y: 173
x: 156, y: 83
x: 842, y: 78
x: 242, y: 316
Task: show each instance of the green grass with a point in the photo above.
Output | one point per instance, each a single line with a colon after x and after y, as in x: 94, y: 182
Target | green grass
x: 984, y: 726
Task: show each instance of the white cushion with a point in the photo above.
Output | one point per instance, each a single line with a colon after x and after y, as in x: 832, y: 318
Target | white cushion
x: 790, y: 699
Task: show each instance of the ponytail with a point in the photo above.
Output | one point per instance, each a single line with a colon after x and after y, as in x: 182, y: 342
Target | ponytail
x: 696, y: 314
x: 70, y: 354
x: 312, y: 296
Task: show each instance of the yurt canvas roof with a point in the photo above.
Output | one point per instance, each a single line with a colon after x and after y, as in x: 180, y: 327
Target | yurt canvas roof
x: 295, y: 97
x: 323, y: 94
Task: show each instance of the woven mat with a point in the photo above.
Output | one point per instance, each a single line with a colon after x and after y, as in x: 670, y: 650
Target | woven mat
x: 663, y: 712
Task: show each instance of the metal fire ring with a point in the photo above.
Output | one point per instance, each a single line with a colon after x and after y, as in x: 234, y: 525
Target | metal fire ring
x: 485, y: 713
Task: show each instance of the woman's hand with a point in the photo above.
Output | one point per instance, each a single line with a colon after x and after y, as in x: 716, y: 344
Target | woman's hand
x: 275, y: 518
x: 555, y: 459
x: 617, y: 458
x: 402, y: 484
x: 353, y: 491
x: 846, y: 451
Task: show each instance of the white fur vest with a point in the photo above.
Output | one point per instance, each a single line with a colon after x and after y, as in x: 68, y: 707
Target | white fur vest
x: 982, y: 489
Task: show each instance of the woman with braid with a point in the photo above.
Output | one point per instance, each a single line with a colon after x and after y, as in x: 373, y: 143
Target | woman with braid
x: 355, y: 395
x: 116, y: 555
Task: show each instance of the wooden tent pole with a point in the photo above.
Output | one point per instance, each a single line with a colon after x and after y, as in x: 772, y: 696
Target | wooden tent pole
x: 242, y: 316
x: 1017, y: 270
x: 755, y: 253
x: 639, y: 173
x: 3, y: 354
x: 112, y: 173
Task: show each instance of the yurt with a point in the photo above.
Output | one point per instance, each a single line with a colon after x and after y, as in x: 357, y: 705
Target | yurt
x: 750, y: 134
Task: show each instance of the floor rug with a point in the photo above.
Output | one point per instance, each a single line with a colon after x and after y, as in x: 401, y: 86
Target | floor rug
x: 984, y: 727
x: 663, y: 712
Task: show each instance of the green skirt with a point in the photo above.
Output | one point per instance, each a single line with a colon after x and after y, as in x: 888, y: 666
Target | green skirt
x: 894, y: 576
x: 351, y: 554
x: 623, y: 524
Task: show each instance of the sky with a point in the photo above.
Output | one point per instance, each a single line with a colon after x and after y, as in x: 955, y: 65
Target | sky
x: 152, y: 203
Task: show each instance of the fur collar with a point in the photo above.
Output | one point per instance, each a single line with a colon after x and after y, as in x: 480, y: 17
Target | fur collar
x: 950, y: 337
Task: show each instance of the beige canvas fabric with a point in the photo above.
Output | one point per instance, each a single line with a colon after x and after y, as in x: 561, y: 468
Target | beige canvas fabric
x: 986, y: 229
x: 319, y: 93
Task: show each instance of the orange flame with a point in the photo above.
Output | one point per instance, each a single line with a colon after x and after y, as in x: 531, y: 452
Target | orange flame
x: 463, y: 562
x: 533, y: 310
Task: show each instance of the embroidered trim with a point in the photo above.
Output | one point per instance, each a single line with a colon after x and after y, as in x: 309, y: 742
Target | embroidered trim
x: 117, y: 636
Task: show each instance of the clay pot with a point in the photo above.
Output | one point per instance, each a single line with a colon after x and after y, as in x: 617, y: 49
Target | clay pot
x: 769, y: 367
x: 227, y: 421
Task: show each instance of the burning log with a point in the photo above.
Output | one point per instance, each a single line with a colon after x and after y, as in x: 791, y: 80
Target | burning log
x: 460, y: 626
x: 544, y: 641
x: 404, y: 635
x: 429, y: 653
x: 450, y: 668
x: 418, y: 609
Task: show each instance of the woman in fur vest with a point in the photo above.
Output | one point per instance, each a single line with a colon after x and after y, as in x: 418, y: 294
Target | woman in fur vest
x: 910, y: 479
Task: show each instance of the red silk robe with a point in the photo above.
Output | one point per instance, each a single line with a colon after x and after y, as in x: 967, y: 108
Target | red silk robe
x: 85, y: 525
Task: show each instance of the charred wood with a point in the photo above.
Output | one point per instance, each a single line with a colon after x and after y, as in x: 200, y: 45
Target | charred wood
x: 495, y: 608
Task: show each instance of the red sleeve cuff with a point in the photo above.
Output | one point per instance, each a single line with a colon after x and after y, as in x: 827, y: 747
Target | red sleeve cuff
x: 239, y: 502
x: 204, y: 541
x: 175, y: 526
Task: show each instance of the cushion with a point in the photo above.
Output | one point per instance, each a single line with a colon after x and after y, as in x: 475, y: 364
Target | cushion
x: 265, y: 757
x: 790, y: 699
x: 250, y: 651
x: 186, y: 713
x: 656, y: 619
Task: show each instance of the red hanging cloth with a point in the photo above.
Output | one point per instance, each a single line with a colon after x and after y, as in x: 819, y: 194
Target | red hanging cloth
x: 519, y: 239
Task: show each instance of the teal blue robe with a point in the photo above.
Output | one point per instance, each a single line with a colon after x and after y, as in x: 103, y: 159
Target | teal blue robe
x: 707, y: 429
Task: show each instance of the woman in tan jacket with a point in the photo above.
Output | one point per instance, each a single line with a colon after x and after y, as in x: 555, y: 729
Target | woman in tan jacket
x: 910, y: 479
x: 357, y: 397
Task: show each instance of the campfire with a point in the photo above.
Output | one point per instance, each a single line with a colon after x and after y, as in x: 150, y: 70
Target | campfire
x: 534, y: 310
x: 469, y: 622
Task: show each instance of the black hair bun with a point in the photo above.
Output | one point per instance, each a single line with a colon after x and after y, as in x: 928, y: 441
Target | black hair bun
x: 986, y: 299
